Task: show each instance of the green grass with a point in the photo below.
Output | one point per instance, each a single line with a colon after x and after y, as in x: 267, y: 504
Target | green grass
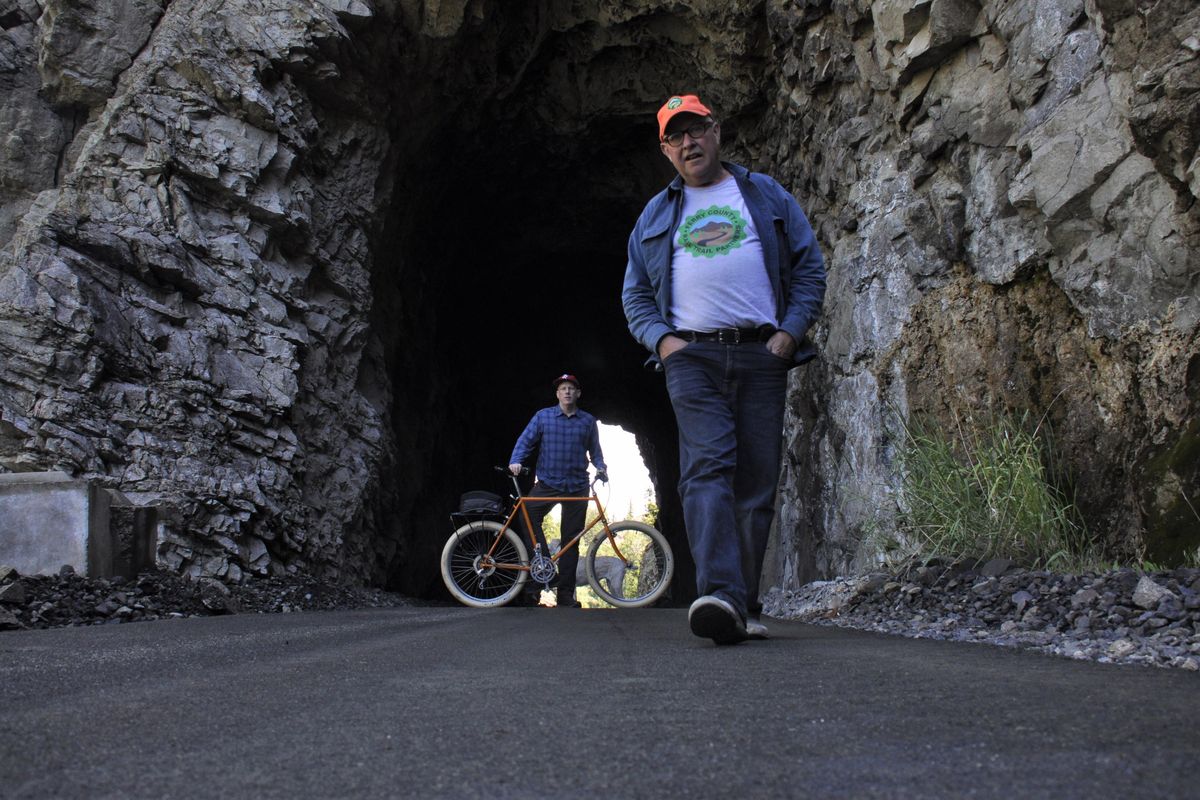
x: 981, y: 490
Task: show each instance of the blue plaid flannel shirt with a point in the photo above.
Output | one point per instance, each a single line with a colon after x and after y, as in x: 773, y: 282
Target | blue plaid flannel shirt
x: 564, y: 443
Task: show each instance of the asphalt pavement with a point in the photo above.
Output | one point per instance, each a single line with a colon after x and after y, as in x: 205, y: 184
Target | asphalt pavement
x: 453, y: 702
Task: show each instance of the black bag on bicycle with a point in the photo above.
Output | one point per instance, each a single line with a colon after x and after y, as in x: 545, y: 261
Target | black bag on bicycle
x: 480, y: 503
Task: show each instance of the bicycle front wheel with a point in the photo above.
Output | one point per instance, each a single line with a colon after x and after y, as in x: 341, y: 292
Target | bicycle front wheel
x: 477, y: 579
x: 636, y: 571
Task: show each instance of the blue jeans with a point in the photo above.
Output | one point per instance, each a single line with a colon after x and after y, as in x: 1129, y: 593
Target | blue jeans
x: 728, y: 401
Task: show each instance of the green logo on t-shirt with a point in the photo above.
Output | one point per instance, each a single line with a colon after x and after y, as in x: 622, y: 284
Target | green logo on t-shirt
x: 712, y: 231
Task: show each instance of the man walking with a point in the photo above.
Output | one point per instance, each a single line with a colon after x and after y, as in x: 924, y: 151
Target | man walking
x: 723, y: 280
x: 563, y: 436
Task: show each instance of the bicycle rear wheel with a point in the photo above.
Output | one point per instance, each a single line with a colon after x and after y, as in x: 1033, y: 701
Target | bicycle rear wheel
x: 636, y: 572
x: 472, y: 576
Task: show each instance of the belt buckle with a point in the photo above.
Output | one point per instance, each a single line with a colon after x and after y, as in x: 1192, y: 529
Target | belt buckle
x: 729, y: 336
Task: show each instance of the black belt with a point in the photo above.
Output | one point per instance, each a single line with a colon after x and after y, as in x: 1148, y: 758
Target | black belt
x: 730, y: 335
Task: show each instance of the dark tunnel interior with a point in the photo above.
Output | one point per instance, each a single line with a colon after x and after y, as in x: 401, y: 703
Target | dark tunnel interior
x: 505, y: 270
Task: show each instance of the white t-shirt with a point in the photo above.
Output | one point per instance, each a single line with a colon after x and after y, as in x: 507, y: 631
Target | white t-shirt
x: 718, y: 279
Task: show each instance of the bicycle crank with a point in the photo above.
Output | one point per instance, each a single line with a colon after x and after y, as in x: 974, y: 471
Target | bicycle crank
x: 541, y: 569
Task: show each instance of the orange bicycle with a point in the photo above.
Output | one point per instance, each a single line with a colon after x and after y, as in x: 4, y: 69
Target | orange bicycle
x: 485, y: 562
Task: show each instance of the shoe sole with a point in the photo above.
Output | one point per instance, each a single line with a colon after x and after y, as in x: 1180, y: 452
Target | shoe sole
x: 711, y: 621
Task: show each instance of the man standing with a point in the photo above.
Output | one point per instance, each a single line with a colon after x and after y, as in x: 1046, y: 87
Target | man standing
x: 564, y: 436
x: 723, y: 280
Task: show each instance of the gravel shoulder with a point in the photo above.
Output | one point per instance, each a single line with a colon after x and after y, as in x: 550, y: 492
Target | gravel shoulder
x: 1122, y: 616
x: 68, y: 599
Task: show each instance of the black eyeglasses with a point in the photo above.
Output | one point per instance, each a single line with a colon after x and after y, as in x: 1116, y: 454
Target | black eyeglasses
x: 695, y: 130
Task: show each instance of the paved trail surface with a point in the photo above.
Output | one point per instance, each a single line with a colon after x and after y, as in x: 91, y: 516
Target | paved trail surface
x: 456, y: 702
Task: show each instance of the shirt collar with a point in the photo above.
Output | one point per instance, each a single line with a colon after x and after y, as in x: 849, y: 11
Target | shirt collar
x: 736, y: 170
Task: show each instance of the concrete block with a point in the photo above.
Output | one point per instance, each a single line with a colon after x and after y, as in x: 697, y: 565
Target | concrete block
x: 48, y: 519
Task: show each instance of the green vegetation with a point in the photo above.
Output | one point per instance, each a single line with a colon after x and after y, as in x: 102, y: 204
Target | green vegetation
x: 588, y: 599
x: 651, y: 515
x: 584, y: 594
x: 551, y: 528
x: 984, y: 491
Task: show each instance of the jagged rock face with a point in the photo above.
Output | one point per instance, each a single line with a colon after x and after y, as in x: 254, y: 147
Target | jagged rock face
x: 185, y: 307
x: 1008, y: 194
x: 301, y: 270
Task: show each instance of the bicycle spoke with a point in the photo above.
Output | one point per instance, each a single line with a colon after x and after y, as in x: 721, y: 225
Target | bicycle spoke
x: 639, y: 574
x: 471, y: 574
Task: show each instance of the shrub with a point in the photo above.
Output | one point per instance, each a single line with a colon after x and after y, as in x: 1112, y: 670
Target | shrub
x: 983, y: 491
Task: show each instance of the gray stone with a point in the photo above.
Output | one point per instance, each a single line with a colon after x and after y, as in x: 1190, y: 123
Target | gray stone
x: 213, y: 587
x: 1170, y: 608
x: 984, y: 587
x: 1149, y: 594
x: 9, y: 620
x: 84, y: 46
x: 1020, y: 600
x: 996, y: 567
x: 13, y: 593
x: 106, y: 608
x: 218, y: 604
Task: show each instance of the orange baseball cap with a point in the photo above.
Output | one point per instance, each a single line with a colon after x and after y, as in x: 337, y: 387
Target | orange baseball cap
x: 679, y: 104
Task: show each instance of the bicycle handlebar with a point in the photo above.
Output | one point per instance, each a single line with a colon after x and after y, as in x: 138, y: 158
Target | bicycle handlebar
x: 526, y: 470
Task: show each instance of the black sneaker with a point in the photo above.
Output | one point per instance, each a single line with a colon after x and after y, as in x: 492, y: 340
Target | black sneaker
x: 710, y: 617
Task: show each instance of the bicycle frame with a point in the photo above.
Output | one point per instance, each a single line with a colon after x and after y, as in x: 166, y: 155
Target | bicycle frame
x: 520, y: 506
x: 485, y: 562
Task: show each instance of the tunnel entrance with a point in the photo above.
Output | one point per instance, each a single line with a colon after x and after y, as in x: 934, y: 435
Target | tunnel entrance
x: 523, y: 149
x: 507, y: 271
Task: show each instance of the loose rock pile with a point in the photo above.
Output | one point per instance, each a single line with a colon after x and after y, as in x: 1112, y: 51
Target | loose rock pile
x: 1123, y: 616
x: 51, y: 601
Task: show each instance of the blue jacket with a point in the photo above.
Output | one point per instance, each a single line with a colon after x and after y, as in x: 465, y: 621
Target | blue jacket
x: 793, y: 261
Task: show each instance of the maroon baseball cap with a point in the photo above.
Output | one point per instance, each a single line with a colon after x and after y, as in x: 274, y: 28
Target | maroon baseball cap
x: 566, y: 376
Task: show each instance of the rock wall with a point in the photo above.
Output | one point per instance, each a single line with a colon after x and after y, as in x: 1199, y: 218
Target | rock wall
x: 223, y: 288
x: 185, y: 295
x: 1008, y: 196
